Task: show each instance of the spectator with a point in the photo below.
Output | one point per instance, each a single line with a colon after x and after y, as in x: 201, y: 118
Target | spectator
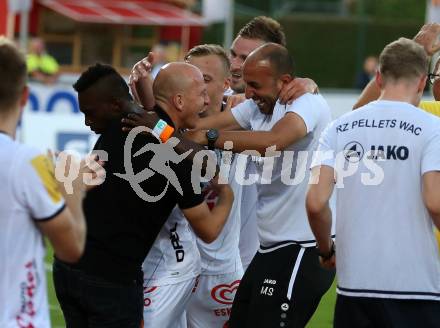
x: 160, y: 59
x: 41, y: 66
x: 368, y: 71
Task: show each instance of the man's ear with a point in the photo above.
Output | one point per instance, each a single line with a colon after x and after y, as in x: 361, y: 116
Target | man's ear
x: 284, y: 79
x: 119, y: 106
x: 227, y: 83
x: 24, y: 96
x: 422, y: 84
x: 437, y: 66
x: 178, y: 102
x: 379, y: 79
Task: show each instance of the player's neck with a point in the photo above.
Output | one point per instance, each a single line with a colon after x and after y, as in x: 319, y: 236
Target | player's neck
x: 399, y: 92
x: 8, y: 125
x: 171, y: 113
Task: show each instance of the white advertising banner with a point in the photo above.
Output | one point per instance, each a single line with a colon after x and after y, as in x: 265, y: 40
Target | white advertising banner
x: 52, y: 120
x: 58, y: 99
x: 57, y: 132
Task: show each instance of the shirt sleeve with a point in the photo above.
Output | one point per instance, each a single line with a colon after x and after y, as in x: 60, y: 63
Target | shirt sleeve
x: 431, y: 154
x: 309, y: 107
x: 243, y: 113
x: 189, y: 182
x: 36, y: 187
x: 325, y: 154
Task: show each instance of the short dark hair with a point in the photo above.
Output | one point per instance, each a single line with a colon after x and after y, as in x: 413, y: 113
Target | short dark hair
x: 278, y: 57
x: 264, y: 28
x: 210, y: 49
x: 403, y: 59
x: 13, y: 74
x: 115, y: 84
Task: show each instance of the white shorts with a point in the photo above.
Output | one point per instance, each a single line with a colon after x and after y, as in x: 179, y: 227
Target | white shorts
x: 164, y: 306
x: 211, y: 303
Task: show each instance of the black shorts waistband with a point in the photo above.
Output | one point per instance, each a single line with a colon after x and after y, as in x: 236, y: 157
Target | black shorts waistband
x: 278, y: 245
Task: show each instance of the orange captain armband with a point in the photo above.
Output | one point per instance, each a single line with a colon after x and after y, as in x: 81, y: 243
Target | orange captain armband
x: 162, y: 131
x: 166, y: 133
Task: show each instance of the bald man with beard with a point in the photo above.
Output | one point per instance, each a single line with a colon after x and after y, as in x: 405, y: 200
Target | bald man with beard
x: 284, y: 280
x: 105, y: 288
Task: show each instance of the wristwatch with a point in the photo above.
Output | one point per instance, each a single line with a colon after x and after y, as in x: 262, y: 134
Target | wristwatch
x: 212, y: 136
x: 329, y: 254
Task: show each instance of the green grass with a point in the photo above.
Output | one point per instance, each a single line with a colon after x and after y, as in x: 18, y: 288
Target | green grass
x: 56, y: 315
x: 323, y: 317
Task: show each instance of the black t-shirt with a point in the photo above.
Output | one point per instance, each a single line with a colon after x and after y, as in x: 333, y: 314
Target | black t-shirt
x: 121, y: 226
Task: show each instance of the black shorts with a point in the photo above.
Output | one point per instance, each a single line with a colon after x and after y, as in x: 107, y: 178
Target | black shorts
x: 92, y: 302
x: 366, y: 312
x: 282, y: 287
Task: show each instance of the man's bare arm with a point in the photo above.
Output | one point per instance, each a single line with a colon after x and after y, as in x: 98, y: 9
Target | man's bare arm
x: 290, y: 92
x: 296, y: 88
x: 221, y: 121
x: 141, y: 83
x: 431, y: 196
x: 67, y: 231
x: 285, y: 132
x: 369, y: 94
x: 233, y: 100
x: 208, y: 224
x: 427, y: 37
x: 318, y: 209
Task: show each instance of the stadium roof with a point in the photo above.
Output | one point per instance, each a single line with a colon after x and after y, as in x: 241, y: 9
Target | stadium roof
x: 127, y: 12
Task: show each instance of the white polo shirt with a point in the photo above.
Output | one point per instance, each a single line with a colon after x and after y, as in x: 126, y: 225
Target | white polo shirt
x: 385, y: 243
x: 174, y: 256
x: 248, y: 240
x: 222, y: 256
x: 282, y: 181
x: 28, y: 194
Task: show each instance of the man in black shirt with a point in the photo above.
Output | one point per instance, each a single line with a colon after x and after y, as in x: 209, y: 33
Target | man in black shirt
x: 105, y: 288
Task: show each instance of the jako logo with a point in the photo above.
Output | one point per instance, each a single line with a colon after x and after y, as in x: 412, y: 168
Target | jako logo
x: 224, y: 294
